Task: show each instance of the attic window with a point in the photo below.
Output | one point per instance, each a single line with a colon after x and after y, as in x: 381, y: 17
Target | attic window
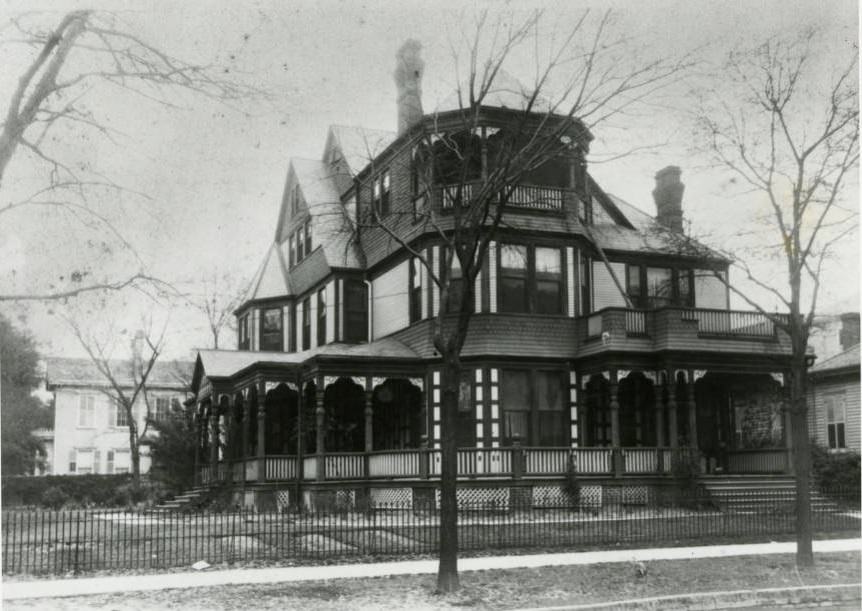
x: 294, y: 201
x: 380, y: 194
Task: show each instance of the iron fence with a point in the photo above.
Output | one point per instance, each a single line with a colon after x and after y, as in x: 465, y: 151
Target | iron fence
x: 80, y: 541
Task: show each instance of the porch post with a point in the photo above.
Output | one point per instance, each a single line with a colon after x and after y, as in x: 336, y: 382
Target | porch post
x: 692, y: 411
x: 369, y: 416
x: 672, y: 424
x: 615, y: 426
x: 261, y: 433
x: 246, y: 414
x: 788, y: 425
x: 320, y: 418
x: 213, y: 432
x: 659, y: 419
x: 197, y: 425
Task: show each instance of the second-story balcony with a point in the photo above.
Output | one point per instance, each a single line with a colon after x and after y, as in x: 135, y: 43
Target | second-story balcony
x: 679, y: 329
x: 528, y: 197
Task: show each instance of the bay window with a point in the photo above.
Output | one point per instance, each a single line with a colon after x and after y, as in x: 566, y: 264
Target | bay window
x: 658, y: 287
x: 549, y: 280
x: 515, y: 403
x: 306, y: 323
x: 533, y: 404
x: 321, y: 316
x: 415, y: 290
x: 355, y: 311
x: 531, y: 279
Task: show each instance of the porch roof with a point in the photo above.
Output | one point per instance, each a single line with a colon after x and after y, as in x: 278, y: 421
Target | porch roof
x: 228, y: 363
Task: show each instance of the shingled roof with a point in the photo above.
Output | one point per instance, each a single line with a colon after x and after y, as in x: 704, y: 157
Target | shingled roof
x: 84, y: 373
x: 849, y: 359
x: 359, y: 145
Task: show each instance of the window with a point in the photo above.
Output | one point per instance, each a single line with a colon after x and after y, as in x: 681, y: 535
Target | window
x: 271, y: 329
x: 355, y: 311
x: 122, y: 461
x: 294, y: 202
x: 465, y: 429
x: 86, y: 411
x: 531, y: 279
x: 513, y: 278
x: 306, y: 323
x: 515, y: 399
x: 300, y: 244
x: 456, y: 286
x: 163, y: 409
x: 109, y: 467
x: 659, y: 282
x: 549, y: 281
x: 552, y: 429
x: 584, y: 280
x: 307, y: 230
x: 84, y: 461
x: 835, y: 419
x: 415, y: 290
x: 684, y: 288
x: 291, y: 245
x: 73, y: 466
x: 380, y: 194
x: 321, y: 317
x: 121, y: 417
x: 633, y: 285
x: 242, y: 332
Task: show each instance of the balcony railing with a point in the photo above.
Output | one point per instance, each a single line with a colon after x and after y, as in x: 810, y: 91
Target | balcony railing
x: 486, y: 463
x: 686, y: 327
x: 531, y: 197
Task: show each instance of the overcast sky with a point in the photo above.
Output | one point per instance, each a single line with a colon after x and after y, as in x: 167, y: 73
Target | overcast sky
x: 214, y: 175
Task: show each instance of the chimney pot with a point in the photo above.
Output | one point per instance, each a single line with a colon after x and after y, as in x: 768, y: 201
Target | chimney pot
x: 849, y: 334
x: 668, y: 197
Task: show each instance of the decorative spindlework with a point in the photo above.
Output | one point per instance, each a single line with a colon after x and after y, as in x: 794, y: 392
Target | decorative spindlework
x: 677, y: 373
x: 292, y: 386
x: 269, y: 385
x: 328, y: 380
x: 622, y: 374
x: 698, y: 374
x: 652, y: 376
x: 419, y: 382
x: 377, y: 381
x: 778, y: 377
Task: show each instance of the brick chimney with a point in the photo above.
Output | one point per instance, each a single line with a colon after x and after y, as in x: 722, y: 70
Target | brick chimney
x: 137, y: 354
x: 408, y: 79
x: 668, y: 197
x: 849, y: 334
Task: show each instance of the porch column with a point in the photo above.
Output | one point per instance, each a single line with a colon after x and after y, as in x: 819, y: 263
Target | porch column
x: 213, y: 432
x: 320, y: 421
x: 659, y: 418
x: 692, y: 412
x: 369, y: 420
x: 197, y: 426
x: 672, y: 411
x: 246, y: 414
x: 615, y: 426
x: 261, y: 433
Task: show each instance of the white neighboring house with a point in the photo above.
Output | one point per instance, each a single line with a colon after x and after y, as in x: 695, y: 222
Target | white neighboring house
x: 91, y: 433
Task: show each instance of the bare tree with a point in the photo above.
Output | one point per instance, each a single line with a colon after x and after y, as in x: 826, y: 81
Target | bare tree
x: 86, y: 55
x: 219, y: 296
x: 479, y: 160
x: 126, y: 380
x: 784, y: 122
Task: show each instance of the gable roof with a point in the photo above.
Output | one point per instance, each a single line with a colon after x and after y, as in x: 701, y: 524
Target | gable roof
x: 270, y: 279
x: 847, y: 359
x: 84, y: 373
x: 358, y: 145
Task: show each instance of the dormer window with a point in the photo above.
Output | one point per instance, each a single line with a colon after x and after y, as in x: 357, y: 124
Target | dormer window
x: 294, y: 201
x: 271, y: 330
x: 300, y: 244
x: 242, y: 332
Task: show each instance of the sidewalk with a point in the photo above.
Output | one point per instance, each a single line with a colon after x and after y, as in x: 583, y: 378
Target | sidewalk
x: 187, y: 579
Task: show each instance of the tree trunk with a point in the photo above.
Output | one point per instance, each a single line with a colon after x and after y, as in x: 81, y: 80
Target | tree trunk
x: 447, y: 573
x: 134, y: 450
x: 801, y: 458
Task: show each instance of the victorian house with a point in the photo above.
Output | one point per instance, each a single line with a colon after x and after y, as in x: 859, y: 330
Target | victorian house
x: 602, y: 340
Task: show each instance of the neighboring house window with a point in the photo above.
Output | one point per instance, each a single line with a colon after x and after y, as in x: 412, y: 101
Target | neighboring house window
x: 86, y: 411
x: 73, y: 466
x: 163, y: 406
x: 306, y: 323
x: 531, y: 279
x: 84, y: 461
x: 355, y: 311
x: 109, y: 467
x: 122, y: 461
x: 380, y: 194
x: 835, y: 419
x: 271, y: 329
x: 415, y: 290
x: 242, y: 333
x: 120, y: 416
x: 321, y: 317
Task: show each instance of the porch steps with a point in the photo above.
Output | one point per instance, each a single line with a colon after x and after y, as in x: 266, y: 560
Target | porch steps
x: 179, y: 501
x: 749, y: 492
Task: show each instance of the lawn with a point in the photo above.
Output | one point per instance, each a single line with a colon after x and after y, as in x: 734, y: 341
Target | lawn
x: 501, y: 589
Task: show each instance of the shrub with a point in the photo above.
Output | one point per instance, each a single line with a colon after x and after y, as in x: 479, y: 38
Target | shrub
x: 80, y: 490
x: 835, y: 471
x: 54, y: 497
x: 572, y: 485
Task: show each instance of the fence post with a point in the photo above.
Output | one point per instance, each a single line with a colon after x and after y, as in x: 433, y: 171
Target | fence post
x: 77, y: 540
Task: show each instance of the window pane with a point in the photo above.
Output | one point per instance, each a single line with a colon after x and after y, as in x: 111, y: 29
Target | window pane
x: 659, y: 286
x: 548, y: 262
x: 513, y: 294
x: 686, y: 298
x: 515, y: 399
x: 272, y: 320
x: 513, y: 258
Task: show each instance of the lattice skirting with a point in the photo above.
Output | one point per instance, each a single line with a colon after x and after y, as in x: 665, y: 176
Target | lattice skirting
x: 282, y: 500
x: 550, y: 496
x: 392, y: 498
x: 329, y: 500
x: 480, y: 498
x: 627, y: 495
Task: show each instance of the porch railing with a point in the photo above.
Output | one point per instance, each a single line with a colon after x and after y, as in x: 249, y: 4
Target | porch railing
x: 531, y: 197
x: 767, y: 460
x: 506, y: 462
x: 733, y: 323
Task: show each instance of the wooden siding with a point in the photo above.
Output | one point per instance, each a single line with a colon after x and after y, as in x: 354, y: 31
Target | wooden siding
x: 492, y: 275
x: 570, y: 281
x: 846, y: 386
x: 709, y: 291
x: 390, y: 303
x: 308, y: 272
x: 605, y: 292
